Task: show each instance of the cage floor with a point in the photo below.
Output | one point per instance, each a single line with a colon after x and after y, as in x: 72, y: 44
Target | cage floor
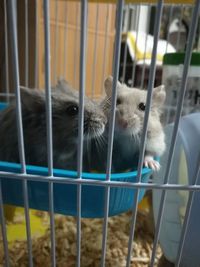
x: 118, y: 234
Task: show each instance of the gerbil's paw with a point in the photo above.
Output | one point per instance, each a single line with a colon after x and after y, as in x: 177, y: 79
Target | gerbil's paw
x: 149, y: 162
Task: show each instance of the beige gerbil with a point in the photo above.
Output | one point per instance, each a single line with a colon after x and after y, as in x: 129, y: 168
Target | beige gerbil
x: 130, y: 110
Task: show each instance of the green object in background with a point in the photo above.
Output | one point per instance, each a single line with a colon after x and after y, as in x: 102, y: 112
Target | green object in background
x: 178, y: 58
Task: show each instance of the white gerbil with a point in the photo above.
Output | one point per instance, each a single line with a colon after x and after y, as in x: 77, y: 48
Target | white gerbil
x: 130, y: 110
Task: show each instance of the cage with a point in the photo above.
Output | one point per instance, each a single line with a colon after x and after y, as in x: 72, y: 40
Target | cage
x: 60, y: 216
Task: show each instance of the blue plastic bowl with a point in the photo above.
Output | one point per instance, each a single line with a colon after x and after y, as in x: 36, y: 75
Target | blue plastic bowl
x: 65, y: 195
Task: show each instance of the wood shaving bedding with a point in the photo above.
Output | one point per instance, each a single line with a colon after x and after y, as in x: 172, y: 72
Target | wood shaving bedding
x: 65, y: 229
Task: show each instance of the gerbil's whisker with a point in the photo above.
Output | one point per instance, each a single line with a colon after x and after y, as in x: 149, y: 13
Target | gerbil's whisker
x: 135, y: 137
x: 96, y: 139
x: 88, y: 141
x: 102, y: 140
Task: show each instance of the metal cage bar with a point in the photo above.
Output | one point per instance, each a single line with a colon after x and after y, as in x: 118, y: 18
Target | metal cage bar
x: 6, y: 53
x: 145, y: 123
x: 193, y: 27
x: 5, y: 94
x: 145, y: 52
x: 56, y: 41
x: 179, y: 33
x: 14, y: 50
x: 65, y: 41
x: 95, y: 51
x: 3, y: 230
x: 126, y: 48
x: 76, y: 43
x: 83, y: 43
x: 136, y: 41
x: 117, y: 47
x: 103, y: 183
x: 49, y: 127
x: 26, y: 46
x: 36, y: 46
x: 105, y: 46
x: 170, y: 19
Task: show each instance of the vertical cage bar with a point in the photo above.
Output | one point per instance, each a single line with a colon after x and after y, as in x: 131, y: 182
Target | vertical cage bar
x: 83, y: 44
x: 56, y: 41
x: 136, y: 41
x: 170, y: 19
x: 75, y: 41
x: 95, y: 51
x: 179, y: 32
x: 65, y: 40
x: 145, y: 51
x: 105, y: 46
x: 119, y: 17
x: 145, y: 124
x: 3, y: 229
x: 78, y: 227
x: 14, y: 50
x: 28, y: 227
x: 52, y: 224
x: 49, y: 127
x: 126, y: 48
x: 188, y: 54
x: 26, y: 46
x: 36, y: 45
x: 171, y: 97
x: 133, y: 21
x: 48, y: 88
x: 6, y: 53
x: 187, y: 214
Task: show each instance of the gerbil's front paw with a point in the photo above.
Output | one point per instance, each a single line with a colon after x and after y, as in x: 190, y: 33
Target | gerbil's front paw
x: 149, y: 162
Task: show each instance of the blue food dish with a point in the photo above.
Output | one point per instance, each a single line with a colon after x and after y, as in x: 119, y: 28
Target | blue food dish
x: 65, y: 194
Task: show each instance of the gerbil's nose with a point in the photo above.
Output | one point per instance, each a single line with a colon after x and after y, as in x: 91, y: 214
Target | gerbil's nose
x: 123, y: 123
x: 100, y: 118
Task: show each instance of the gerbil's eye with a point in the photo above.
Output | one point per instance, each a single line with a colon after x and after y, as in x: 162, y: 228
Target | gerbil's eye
x: 72, y: 110
x: 141, y: 106
x: 119, y: 101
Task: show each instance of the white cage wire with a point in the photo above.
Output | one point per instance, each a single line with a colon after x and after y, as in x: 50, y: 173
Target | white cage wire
x: 129, y: 17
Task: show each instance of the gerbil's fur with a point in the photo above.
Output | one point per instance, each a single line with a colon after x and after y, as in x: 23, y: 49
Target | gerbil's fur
x: 130, y: 110
x: 64, y: 126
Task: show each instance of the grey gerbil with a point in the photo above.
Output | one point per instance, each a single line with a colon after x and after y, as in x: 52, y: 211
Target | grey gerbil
x: 64, y: 127
x: 130, y: 109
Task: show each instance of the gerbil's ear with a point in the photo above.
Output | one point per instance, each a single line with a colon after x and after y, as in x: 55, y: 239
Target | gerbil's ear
x: 32, y: 98
x: 159, y: 95
x: 108, y: 85
x: 62, y: 85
